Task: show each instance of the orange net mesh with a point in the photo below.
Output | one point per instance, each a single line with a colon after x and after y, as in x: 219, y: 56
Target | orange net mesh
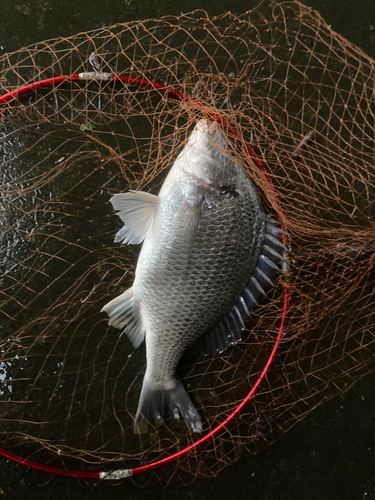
x: 303, y: 98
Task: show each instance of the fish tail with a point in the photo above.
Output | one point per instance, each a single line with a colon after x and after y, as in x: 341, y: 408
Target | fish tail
x: 157, y: 403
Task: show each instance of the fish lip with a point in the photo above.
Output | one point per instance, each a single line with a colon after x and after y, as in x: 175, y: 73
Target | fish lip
x: 202, y: 124
x: 213, y: 133
x: 205, y: 130
x: 198, y: 160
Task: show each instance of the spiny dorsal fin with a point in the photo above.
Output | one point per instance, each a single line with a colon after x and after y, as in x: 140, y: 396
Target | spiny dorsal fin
x: 136, y: 210
x: 122, y: 314
x: 229, y: 331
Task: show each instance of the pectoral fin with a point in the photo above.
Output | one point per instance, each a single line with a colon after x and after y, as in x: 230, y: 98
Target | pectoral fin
x: 136, y: 210
x: 189, y: 216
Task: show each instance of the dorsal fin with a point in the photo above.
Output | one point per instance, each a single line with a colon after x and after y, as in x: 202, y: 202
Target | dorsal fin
x: 229, y: 331
x: 122, y: 314
x: 136, y: 210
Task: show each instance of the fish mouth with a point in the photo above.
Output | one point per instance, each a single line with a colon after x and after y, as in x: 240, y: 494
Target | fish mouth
x: 199, y: 158
x: 209, y: 132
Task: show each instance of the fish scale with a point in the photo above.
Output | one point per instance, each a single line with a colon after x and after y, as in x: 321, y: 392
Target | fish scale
x: 201, y: 270
x: 203, y: 295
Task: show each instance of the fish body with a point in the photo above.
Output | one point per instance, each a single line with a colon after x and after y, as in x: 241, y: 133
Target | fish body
x: 203, y: 238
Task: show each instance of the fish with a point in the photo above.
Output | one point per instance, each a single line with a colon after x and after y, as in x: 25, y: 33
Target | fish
x: 95, y: 62
x: 306, y: 139
x: 209, y: 255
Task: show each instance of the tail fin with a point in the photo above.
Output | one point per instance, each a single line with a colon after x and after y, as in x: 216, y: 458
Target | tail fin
x: 157, y: 403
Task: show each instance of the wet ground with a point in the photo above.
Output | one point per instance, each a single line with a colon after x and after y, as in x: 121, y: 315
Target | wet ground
x: 329, y: 455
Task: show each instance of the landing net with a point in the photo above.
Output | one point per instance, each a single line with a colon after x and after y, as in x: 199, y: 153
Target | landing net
x: 298, y: 101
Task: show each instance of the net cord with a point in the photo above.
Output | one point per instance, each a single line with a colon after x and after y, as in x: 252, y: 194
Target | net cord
x: 170, y: 91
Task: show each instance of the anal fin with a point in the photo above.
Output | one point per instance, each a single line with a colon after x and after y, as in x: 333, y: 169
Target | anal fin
x: 122, y: 314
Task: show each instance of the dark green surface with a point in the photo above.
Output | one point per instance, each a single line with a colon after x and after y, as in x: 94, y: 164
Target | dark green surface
x: 26, y: 22
x: 331, y: 454
x: 328, y: 456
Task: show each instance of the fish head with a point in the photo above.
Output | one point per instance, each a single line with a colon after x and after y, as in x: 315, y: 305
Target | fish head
x: 208, y: 157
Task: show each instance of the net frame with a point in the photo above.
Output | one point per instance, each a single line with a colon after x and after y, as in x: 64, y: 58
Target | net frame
x: 120, y: 474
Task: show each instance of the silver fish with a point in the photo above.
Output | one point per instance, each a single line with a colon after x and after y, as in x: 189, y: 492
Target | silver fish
x: 306, y: 139
x: 95, y: 62
x: 209, y: 255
